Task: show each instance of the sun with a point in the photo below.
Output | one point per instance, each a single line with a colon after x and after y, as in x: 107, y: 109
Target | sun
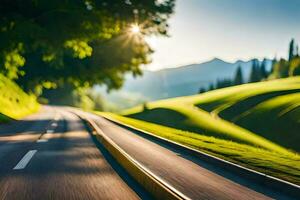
x: 135, y: 29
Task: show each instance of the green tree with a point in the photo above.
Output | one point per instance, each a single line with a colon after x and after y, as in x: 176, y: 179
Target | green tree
x: 238, y: 78
x: 255, y: 72
x: 285, y: 68
x: 226, y: 82
x: 202, y: 90
x: 274, y: 61
x: 291, y: 49
x: 50, y: 43
x: 211, y: 87
x: 294, y: 68
x: 281, y: 69
x: 263, y: 71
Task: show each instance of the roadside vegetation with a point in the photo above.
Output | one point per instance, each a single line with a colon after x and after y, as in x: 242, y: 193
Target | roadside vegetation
x: 254, y: 124
x: 14, y: 102
x: 98, y: 43
x: 215, y: 113
x: 285, y: 166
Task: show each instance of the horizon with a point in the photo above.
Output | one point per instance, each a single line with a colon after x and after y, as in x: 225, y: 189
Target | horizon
x: 254, y: 30
x: 206, y: 61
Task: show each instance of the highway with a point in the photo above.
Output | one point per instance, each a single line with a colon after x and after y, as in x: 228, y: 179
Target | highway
x: 50, y: 155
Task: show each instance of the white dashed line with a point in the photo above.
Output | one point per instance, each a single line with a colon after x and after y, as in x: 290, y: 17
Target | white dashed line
x: 54, y: 124
x: 42, y: 140
x: 25, y: 160
x: 50, y: 131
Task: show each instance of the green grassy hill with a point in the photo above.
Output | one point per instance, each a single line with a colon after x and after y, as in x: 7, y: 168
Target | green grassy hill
x: 14, y: 102
x: 249, y: 113
x: 255, y: 125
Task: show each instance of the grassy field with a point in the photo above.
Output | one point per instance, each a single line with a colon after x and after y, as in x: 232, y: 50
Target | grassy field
x: 285, y: 166
x: 230, y: 114
x: 14, y: 102
x: 255, y: 125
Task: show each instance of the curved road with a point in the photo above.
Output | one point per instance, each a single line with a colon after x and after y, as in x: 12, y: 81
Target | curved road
x: 50, y: 155
x: 189, y: 175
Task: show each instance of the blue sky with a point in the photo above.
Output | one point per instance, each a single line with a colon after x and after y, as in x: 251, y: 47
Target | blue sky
x: 228, y: 29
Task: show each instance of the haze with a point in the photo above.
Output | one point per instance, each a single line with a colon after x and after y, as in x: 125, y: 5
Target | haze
x: 228, y: 29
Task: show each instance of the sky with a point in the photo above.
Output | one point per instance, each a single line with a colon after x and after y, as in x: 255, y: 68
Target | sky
x: 231, y: 30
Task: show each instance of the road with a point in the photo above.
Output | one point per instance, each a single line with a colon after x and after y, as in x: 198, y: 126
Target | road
x: 192, y: 177
x: 50, y: 155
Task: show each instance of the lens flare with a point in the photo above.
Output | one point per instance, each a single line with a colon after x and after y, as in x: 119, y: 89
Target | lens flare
x: 135, y: 28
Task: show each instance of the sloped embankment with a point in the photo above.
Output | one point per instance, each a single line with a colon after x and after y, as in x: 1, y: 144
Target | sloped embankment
x: 14, y: 102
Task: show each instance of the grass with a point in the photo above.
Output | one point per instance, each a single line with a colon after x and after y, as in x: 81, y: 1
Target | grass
x: 215, y: 114
x: 283, y: 116
x: 285, y: 166
x: 14, y: 102
x: 255, y: 125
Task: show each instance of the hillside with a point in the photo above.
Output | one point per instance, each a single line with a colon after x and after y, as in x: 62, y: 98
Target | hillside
x: 243, y: 113
x: 14, y: 102
x: 174, y: 82
x: 261, y: 119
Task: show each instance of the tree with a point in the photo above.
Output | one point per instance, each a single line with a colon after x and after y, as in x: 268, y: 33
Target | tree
x: 263, y: 71
x: 291, y: 49
x: 285, y: 68
x: 226, y: 82
x: 238, y: 78
x: 294, y: 68
x: 274, y: 61
x: 255, y: 72
x: 297, y: 51
x: 50, y: 43
x: 145, y: 106
x: 202, y: 90
x: 211, y: 87
x: 281, y: 69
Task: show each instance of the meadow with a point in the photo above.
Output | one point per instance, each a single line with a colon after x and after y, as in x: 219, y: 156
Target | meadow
x: 254, y: 125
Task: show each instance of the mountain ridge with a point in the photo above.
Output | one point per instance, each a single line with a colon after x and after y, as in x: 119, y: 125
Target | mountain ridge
x: 179, y: 81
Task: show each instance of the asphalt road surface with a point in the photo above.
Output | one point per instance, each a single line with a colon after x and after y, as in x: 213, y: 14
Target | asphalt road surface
x: 192, y: 177
x: 50, y: 155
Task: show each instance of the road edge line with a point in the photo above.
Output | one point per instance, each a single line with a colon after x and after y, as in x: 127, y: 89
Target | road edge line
x: 152, y: 183
x: 264, y: 179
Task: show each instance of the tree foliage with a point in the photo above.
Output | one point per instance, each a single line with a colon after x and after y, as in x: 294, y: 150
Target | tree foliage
x: 255, y: 75
x: 82, y: 42
x: 238, y: 78
x: 286, y: 68
x: 291, y: 49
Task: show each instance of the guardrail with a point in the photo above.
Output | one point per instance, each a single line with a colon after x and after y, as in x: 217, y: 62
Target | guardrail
x: 261, y: 178
x: 152, y: 183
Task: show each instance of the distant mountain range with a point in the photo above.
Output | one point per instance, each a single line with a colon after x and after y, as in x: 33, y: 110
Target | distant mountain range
x: 173, y: 82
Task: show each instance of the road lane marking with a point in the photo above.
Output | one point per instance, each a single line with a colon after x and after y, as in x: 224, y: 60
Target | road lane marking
x: 50, y: 131
x: 25, y: 160
x: 42, y: 140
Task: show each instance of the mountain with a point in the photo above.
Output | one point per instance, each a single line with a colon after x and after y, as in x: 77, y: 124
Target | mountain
x: 173, y: 82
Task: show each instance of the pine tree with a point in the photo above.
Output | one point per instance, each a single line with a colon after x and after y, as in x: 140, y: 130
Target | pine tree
x: 263, y: 71
x: 291, y: 49
x: 255, y: 72
x: 211, y: 87
x: 238, y: 79
x: 226, y: 82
